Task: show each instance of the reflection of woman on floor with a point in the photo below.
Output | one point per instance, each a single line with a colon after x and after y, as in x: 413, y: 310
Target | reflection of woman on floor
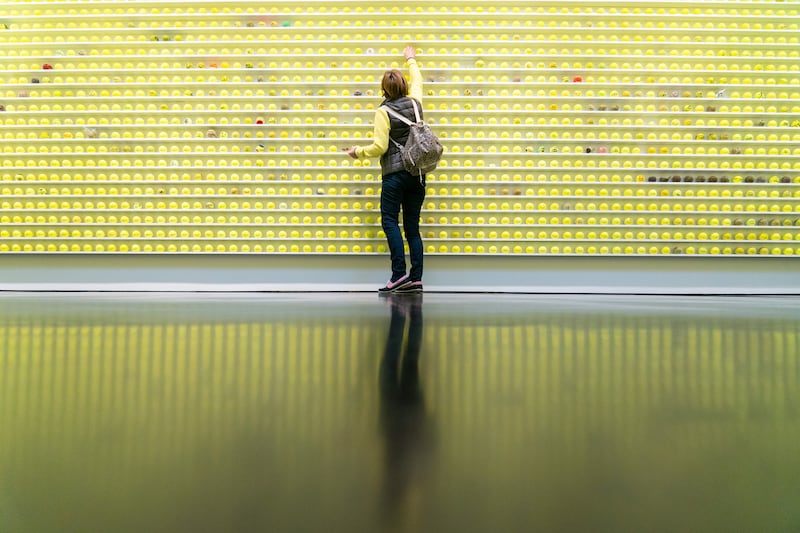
x: 403, y: 420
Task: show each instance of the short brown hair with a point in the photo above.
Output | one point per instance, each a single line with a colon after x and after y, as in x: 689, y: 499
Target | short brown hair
x: 394, y: 84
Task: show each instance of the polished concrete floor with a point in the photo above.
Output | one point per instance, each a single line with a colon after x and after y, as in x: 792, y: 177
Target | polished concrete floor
x: 355, y: 413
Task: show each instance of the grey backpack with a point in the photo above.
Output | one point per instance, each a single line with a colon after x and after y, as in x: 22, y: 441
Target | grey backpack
x: 422, y: 150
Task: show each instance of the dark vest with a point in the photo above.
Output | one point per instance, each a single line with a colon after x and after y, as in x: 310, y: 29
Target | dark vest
x: 390, y: 160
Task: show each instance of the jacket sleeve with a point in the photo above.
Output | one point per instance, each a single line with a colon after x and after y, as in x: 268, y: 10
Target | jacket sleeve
x: 380, y: 137
x: 415, y: 91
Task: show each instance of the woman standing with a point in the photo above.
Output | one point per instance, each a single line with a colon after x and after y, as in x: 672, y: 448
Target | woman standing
x: 399, y: 188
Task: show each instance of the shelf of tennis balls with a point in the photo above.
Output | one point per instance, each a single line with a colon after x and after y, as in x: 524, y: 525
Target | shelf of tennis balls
x: 145, y: 183
x: 177, y: 31
x: 152, y: 176
x: 289, y: 146
x: 653, y: 182
x: 616, y: 106
x: 67, y: 140
x: 347, y: 204
x: 590, y: 248
x: 505, y: 248
x: 682, y: 7
x: 523, y: 80
x: 776, y: 128
x: 166, y: 245
x: 551, y: 166
x: 287, y: 104
x: 592, y: 49
x: 351, y: 47
x: 184, y: 30
x: 448, y: 112
x: 774, y: 201
x: 649, y: 143
x: 339, y: 246
x: 471, y: 155
x: 604, y: 221
x: 342, y: 58
x: 533, y: 238
x: 779, y: 163
x: 733, y: 229
x: 461, y: 232
x: 635, y: 144
x: 566, y: 176
x: 456, y: 161
x: 16, y: 213
x: 734, y: 20
x: 190, y: 205
x: 528, y: 53
x: 78, y: 139
x: 355, y: 15
x: 177, y: 128
x: 758, y: 90
x: 244, y: 190
x: 242, y: 7
x: 444, y: 250
x: 284, y: 123
x: 658, y: 180
x: 525, y: 235
x: 194, y: 231
x: 338, y: 82
x: 312, y: 138
x: 615, y: 187
x: 341, y: 83
x: 542, y: 104
x: 455, y: 231
x: 619, y: 162
x: 660, y: 175
x: 322, y: 236
x: 503, y: 29
x: 602, y: 45
x: 749, y: 169
x: 41, y: 99
x: 497, y: 74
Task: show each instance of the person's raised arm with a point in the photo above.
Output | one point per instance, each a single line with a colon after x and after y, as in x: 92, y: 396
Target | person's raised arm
x: 415, y: 91
x: 380, y: 134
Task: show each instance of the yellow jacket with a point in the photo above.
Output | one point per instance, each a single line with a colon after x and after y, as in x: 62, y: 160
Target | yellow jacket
x: 380, y: 135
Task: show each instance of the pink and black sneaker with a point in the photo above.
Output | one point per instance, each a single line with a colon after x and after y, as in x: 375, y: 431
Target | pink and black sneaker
x: 411, y: 286
x: 394, y: 286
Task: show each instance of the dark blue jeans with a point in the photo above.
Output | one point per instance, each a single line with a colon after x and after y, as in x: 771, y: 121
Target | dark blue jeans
x: 402, y: 189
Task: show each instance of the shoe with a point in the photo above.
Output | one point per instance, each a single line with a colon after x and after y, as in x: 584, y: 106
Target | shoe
x: 411, y: 286
x: 393, y: 286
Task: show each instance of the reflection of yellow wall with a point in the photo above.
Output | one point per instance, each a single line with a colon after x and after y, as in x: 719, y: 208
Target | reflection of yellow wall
x: 97, y: 413
x: 184, y: 127
x: 212, y: 375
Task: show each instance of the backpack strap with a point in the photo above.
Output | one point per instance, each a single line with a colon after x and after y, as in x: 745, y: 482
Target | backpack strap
x: 400, y: 117
x: 416, y: 111
x: 399, y: 146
